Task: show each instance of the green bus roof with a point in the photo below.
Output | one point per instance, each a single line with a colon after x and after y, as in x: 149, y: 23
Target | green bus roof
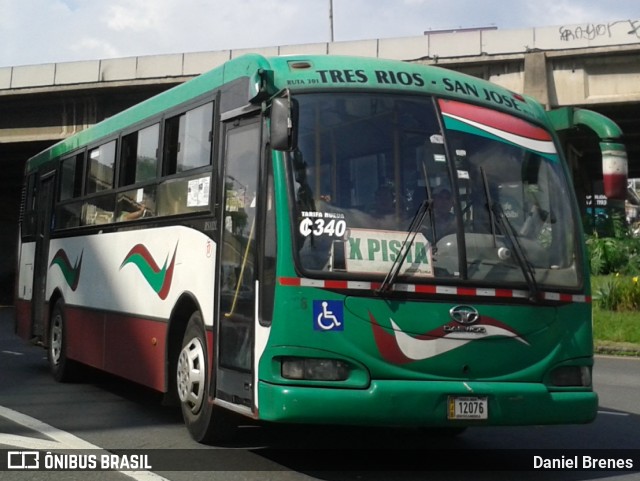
x: 304, y: 73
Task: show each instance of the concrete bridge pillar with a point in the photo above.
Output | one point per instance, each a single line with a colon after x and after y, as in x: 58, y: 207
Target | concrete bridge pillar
x: 536, y: 79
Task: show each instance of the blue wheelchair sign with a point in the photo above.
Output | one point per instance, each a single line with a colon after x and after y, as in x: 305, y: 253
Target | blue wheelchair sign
x: 328, y: 316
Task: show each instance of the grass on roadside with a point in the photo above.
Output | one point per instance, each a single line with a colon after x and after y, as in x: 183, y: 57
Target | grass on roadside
x: 616, y: 326
x: 616, y: 321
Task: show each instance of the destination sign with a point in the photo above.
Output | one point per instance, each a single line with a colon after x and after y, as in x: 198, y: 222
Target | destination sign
x: 458, y: 86
x: 374, y: 251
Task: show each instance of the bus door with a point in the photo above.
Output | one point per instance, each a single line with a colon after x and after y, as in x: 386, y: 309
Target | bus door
x: 238, y: 274
x: 44, y: 209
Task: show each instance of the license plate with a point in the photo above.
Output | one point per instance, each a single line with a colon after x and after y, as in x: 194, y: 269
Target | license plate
x: 468, y: 407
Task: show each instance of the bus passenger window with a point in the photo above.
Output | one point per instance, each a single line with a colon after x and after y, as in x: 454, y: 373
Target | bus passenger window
x: 136, y: 204
x: 71, y: 177
x: 184, y: 195
x: 187, y: 142
x: 139, y: 156
x: 98, y: 210
x: 68, y: 211
x: 101, y: 168
x: 68, y: 215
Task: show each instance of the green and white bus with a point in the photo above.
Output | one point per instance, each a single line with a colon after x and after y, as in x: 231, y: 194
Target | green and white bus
x: 319, y: 239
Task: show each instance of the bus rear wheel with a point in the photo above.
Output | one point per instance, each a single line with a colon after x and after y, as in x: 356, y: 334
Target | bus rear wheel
x: 61, y: 368
x: 205, y: 421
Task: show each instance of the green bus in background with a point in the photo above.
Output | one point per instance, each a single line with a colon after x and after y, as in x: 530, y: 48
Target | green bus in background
x: 318, y: 239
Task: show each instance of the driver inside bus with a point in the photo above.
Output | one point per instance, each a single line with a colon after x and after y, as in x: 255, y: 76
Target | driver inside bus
x: 385, y: 211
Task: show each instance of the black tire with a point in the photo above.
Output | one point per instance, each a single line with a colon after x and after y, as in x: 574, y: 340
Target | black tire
x: 205, y: 421
x: 62, y: 369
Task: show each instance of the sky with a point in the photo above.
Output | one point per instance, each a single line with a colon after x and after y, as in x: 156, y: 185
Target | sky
x: 50, y: 31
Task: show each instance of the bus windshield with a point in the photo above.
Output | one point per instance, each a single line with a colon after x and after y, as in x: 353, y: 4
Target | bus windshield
x: 470, y: 193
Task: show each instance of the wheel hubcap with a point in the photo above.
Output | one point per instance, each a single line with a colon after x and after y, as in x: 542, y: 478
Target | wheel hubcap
x: 55, y: 343
x: 191, y: 375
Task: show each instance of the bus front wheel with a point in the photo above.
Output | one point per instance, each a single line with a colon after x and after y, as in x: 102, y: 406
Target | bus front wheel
x: 205, y: 421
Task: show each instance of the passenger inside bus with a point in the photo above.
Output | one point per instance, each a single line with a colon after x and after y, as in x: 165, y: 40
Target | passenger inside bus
x: 130, y: 209
x: 139, y: 211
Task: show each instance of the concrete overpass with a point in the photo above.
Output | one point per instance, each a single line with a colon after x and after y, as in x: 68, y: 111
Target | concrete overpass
x: 590, y: 65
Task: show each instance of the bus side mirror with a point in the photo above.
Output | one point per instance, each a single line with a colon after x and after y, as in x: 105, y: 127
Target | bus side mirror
x: 284, y: 122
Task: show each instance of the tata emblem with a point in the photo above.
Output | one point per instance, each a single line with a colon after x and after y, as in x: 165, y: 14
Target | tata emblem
x: 464, y: 314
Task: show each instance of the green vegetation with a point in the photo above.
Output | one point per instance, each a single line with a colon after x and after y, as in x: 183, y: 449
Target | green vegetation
x: 615, y: 267
x: 616, y: 314
x: 617, y: 293
x: 619, y: 254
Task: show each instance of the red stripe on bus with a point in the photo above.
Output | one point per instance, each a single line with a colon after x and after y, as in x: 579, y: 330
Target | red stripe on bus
x: 336, y: 284
x: 467, y: 291
x: 431, y: 289
x: 504, y: 293
x: 495, y: 119
x: 426, y: 289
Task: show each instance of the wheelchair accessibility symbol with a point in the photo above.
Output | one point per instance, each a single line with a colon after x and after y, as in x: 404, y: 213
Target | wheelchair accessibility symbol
x: 328, y: 316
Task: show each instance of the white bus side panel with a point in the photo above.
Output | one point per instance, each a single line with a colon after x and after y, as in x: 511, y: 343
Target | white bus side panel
x: 139, y: 272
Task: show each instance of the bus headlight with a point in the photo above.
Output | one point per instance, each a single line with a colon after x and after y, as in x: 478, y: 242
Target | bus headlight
x: 571, y: 376
x: 311, y: 369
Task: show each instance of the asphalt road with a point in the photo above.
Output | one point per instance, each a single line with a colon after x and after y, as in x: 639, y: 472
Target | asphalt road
x: 37, y: 414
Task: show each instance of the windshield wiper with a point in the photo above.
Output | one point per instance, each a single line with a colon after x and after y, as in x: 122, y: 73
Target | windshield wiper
x: 499, y: 218
x: 425, y: 206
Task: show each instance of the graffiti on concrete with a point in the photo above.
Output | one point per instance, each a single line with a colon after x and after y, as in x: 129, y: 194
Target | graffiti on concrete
x: 593, y: 31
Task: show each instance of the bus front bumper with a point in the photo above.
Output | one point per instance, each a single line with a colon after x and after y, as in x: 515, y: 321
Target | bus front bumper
x: 424, y: 403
